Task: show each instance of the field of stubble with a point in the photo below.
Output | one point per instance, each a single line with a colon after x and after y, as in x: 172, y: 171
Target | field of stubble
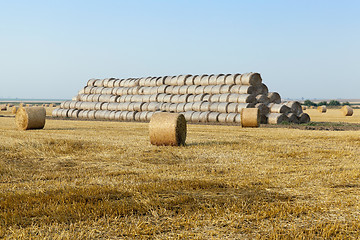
x: 90, y: 179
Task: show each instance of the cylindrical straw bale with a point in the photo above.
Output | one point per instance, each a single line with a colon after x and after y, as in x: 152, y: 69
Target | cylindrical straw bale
x: 123, y: 106
x: 153, y: 106
x: 172, y: 107
x: 223, y: 107
x: 293, y: 118
x: 162, y: 89
x: 87, y: 90
x: 142, y: 116
x: 277, y: 118
x: 105, y: 98
x: 91, y: 82
x: 250, y: 117
x: 279, y: 108
x: 63, y: 113
x: 96, y: 98
x: 153, y: 98
x: 295, y: 107
x: 137, y: 116
x: 212, y: 79
x: 30, y: 118
x: 107, y: 91
x: 195, y: 117
x: 215, y: 89
x: 111, y: 83
x: 180, y: 107
x: 199, y: 97
x: 182, y: 79
x: 189, y: 80
x: 200, y: 90
x: 188, y: 115
x: 65, y: 104
x: 251, y: 79
x: 173, y: 81
x: 213, y: 107
x: 153, y: 90
x: 262, y: 99
x: 117, y: 83
x: 227, y: 97
x: 55, y: 112
x: 128, y: 98
x: 208, y: 89
x: 112, y: 106
x: 183, y: 89
x: 130, y: 116
x: 237, y: 118
x: 98, y: 106
x: 100, y: 114
x: 197, y: 80
x: 213, y: 116
x: 99, y: 83
x: 215, y: 98
x: 169, y: 89
x: 183, y: 98
x: 167, y: 80
x: 175, y: 99
x: 232, y: 108
x: 123, y: 115
x: 230, y: 79
x: 165, y: 107
x: 145, y: 107
x: 197, y: 106
x: 347, y: 110
x: 304, y: 118
x: 75, y: 113
x: 146, y: 98
x: 230, y: 118
x: 149, y: 115
x: 176, y: 90
x: 188, y: 106
x: 138, y: 105
x: 72, y: 104
x: 167, y: 129
x: 264, y: 109
x: 161, y: 97
x: 222, y: 117
x: 205, y: 107
x: 160, y: 81
x: 142, y: 81
x: 122, y: 99
x: 192, y: 89
x: 322, y: 109
x: 262, y: 89
x: 220, y: 79
x: 204, y: 80
x: 191, y: 98
x: 274, y: 97
x: 137, y: 98
x: 117, y: 116
x: 204, y: 116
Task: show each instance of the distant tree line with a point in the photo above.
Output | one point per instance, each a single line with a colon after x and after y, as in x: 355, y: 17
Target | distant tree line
x: 325, y: 103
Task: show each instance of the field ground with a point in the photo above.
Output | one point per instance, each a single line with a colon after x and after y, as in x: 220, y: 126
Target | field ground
x: 98, y: 179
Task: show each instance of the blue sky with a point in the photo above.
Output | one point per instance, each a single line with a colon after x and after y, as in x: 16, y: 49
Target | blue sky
x: 309, y: 49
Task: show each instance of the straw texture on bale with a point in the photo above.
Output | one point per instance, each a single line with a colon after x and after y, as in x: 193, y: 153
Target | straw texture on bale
x: 347, y: 110
x: 322, y: 109
x: 293, y: 118
x: 250, y: 117
x: 304, y: 118
x: 167, y: 129
x: 276, y: 118
x: 274, y: 97
x: 279, y: 108
x: 30, y: 118
x: 295, y: 107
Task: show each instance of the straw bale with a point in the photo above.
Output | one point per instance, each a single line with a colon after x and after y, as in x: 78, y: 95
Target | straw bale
x: 169, y: 89
x: 197, y: 80
x: 165, y: 107
x: 98, y: 83
x: 30, y: 118
x: 65, y: 104
x: 237, y: 118
x: 295, y: 107
x: 242, y: 89
x: 347, y: 110
x: 96, y: 98
x: 112, y: 106
x: 183, y: 89
x: 251, y: 79
x: 322, y: 109
x: 162, y: 89
x: 167, y: 129
x: 189, y: 80
x: 167, y: 80
x: 214, y: 106
x: 212, y: 79
x: 206, y: 98
x: 274, y: 97
x: 72, y: 104
x: 196, y: 106
x: 230, y: 79
x: 232, y: 108
x: 204, y: 116
x: 278, y: 108
x: 250, y: 117
x: 160, y: 81
x: 138, y: 105
x: 123, y: 115
x: 192, y: 89
x: 188, y: 115
x: 276, y: 118
x: 182, y: 79
x: 208, y: 89
x: 200, y: 90
x: 262, y: 99
x: 263, y: 108
x: 161, y: 96
x: 63, y: 113
x: 180, y: 107
x: 222, y: 107
x: 262, y: 89
x: 205, y: 107
x: 183, y: 98
x: 91, y: 82
x: 142, y: 81
x: 142, y: 116
x: 55, y: 112
x: 137, y: 98
x: 191, y: 98
x: 230, y: 118
x: 263, y: 119
x: 204, y: 80
x: 215, y: 98
x: 195, y: 117
x: 78, y: 105
x: 122, y: 99
x: 87, y: 90
x: 215, y: 89
x: 188, y: 106
x: 173, y: 81
x: 233, y: 97
x: 304, y: 118
x: 153, y: 98
x: 199, y: 97
x: 176, y: 90
x: 117, y: 116
x: 137, y: 116
x: 131, y: 107
x: 293, y: 118
x: 222, y: 117
x: 213, y: 116
x: 105, y: 98
x: 153, y: 106
x: 117, y: 83
x: 130, y: 116
x: 175, y: 99
x: 146, y: 98
x: 220, y: 79
x: 107, y: 91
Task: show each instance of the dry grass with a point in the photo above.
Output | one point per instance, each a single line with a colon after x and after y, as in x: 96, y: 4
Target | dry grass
x: 86, y: 180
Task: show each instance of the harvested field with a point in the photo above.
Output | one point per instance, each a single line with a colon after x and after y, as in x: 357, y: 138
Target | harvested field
x: 86, y: 180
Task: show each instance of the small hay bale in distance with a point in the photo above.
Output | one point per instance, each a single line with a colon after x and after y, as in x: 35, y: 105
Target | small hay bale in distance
x: 167, y: 129
x: 322, y: 109
x: 30, y: 118
x: 347, y: 110
x: 250, y: 117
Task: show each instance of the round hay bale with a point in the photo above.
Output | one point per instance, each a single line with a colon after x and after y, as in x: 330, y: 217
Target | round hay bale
x: 105, y: 98
x: 169, y: 90
x: 63, y: 113
x: 99, y: 114
x: 213, y: 107
x: 295, y: 107
x: 138, y: 106
x: 154, y: 90
x: 213, y: 117
x: 99, y: 83
x: 188, y: 115
x: 30, y: 118
x: 220, y: 79
x: 195, y: 117
x: 153, y: 98
x: 168, y: 129
x: 173, y: 81
x: 137, y: 116
x: 182, y: 79
x: 206, y: 98
x: 105, y: 106
x: 188, y: 106
x: 262, y: 99
x: 208, y: 89
x: 212, y: 79
x: 117, y: 116
x: 322, y: 109
x: 204, y: 80
x: 197, y: 106
x: 91, y: 82
x: 189, y: 80
x: 263, y: 119
x: 264, y: 109
x: 277, y: 118
x: 214, y: 98
x: 167, y: 80
x: 55, y: 112
x: 215, y: 89
x: 237, y: 118
x: 303, y: 107
x: 274, y: 97
x: 222, y: 117
x: 232, y: 97
x: 142, y: 116
x: 130, y: 116
x: 304, y: 118
x: 87, y: 90
x: 165, y: 107
x: 192, y: 89
x: 230, y: 118
x: 242, y: 89
x: 161, y: 96
x: 347, y: 110
x: 232, y: 108
x: 176, y: 90
x: 251, y: 79
x: 183, y: 98
x: 91, y: 114
x: 142, y: 81
x: 230, y: 79
x: 191, y: 98
x: 204, y: 116
x: 183, y: 89
x: 98, y: 106
x: 175, y: 99
x: 180, y: 107
x: 123, y: 115
x: 278, y: 108
x: 222, y: 107
x: 160, y: 81
x: 200, y: 90
x: 205, y: 107
x: 146, y: 98
x: 250, y: 117
x: 153, y: 106
x: 137, y: 98
x: 162, y: 89
x: 198, y: 97
x: 293, y: 118
x: 117, y: 83
x: 262, y: 89
x: 197, y: 80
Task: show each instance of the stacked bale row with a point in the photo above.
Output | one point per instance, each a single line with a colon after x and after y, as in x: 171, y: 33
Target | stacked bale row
x: 201, y: 98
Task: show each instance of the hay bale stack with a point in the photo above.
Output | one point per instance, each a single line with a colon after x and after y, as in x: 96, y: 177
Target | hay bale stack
x: 295, y: 107
x: 347, y: 110
x: 30, y: 118
x: 322, y: 109
x: 274, y: 97
x: 277, y: 118
x: 278, y: 108
x: 304, y: 118
x: 167, y: 129
x: 250, y: 117
x: 293, y: 118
